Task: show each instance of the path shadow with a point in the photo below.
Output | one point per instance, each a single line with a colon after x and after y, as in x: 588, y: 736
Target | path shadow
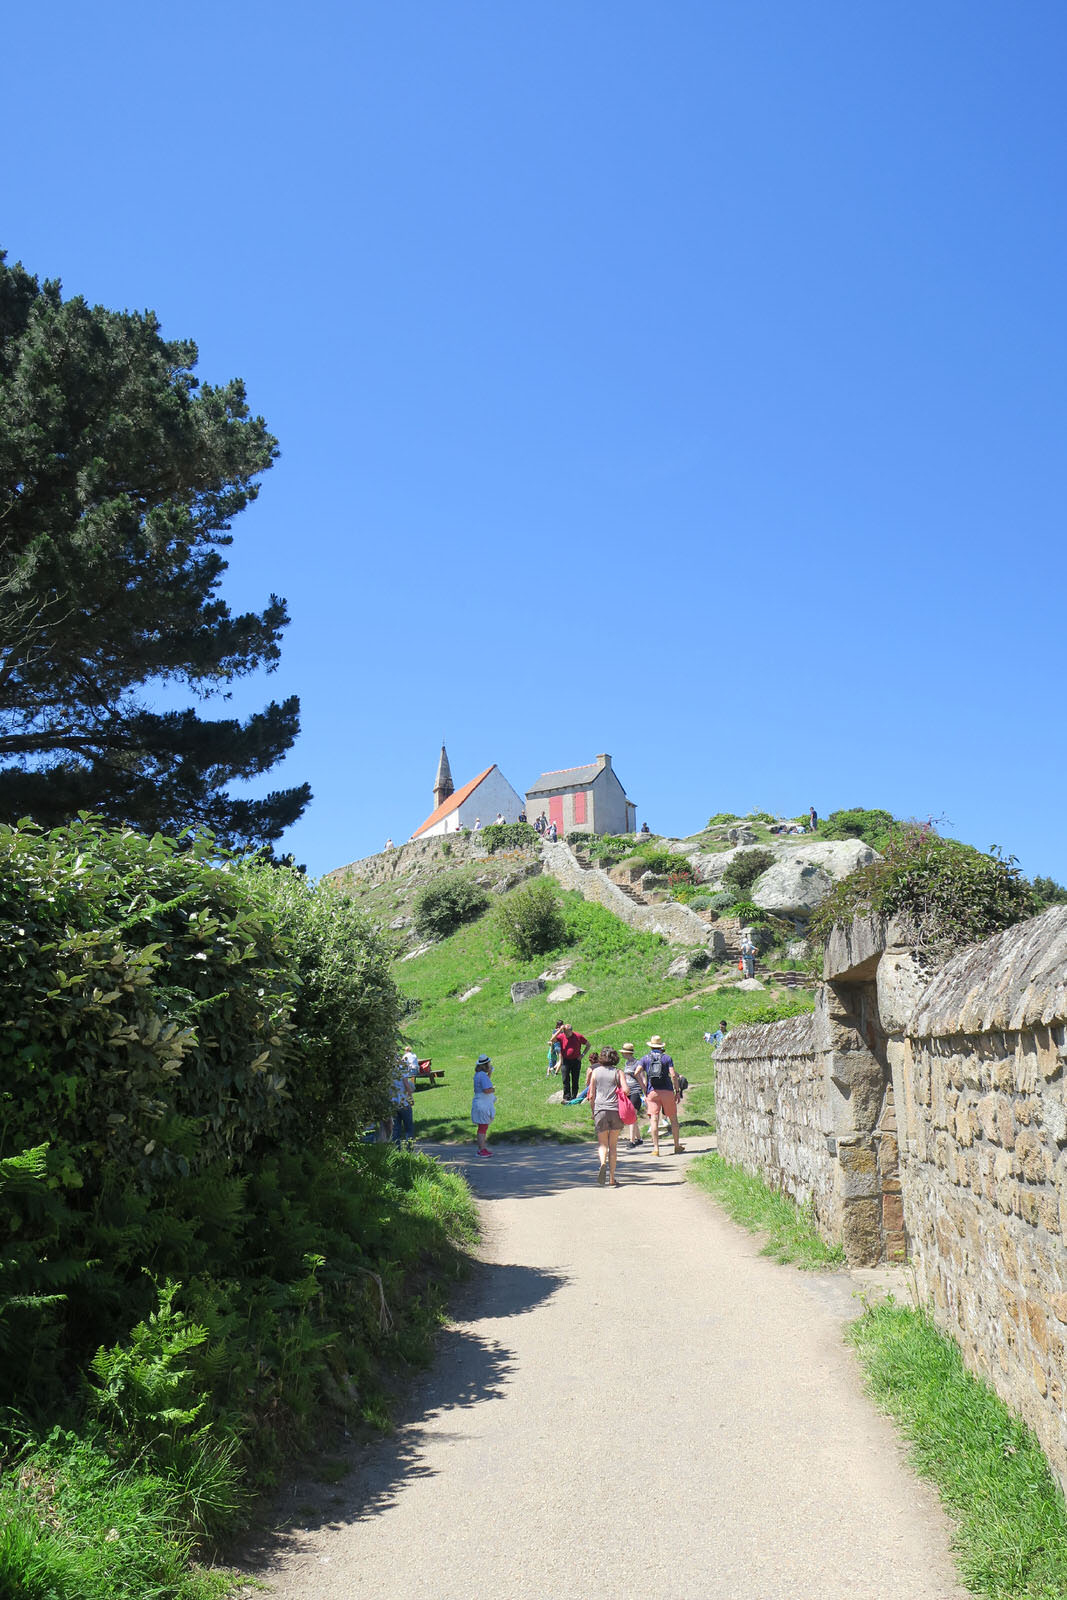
x: 467, y: 1370
x: 526, y: 1171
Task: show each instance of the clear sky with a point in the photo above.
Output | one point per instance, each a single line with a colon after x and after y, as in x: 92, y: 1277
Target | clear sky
x: 682, y: 381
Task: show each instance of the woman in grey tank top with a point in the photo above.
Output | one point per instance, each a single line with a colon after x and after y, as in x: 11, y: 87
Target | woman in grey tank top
x: 602, y: 1081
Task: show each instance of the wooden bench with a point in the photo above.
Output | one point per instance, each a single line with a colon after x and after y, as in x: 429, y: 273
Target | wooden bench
x: 428, y: 1075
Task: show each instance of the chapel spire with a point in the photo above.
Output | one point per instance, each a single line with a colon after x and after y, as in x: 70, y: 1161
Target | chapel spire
x: 443, y: 785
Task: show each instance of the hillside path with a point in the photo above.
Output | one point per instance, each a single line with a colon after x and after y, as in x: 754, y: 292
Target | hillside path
x: 631, y: 1402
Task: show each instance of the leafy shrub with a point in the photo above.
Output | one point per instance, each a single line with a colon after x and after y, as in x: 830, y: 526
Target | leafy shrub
x: 721, y: 818
x: 446, y: 903
x: 531, y: 920
x: 721, y: 900
x: 446, y: 848
x: 665, y: 862
x: 699, y: 901
x: 948, y: 893
x: 875, y: 828
x: 761, y: 816
x: 510, y: 836
x: 744, y: 869
x: 345, y: 1016
x: 1047, y: 892
x: 746, y: 912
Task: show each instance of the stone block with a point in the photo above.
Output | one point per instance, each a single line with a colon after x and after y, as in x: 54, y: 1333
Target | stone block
x: 892, y: 1213
x: 562, y: 992
x: 527, y: 990
x: 861, y: 1232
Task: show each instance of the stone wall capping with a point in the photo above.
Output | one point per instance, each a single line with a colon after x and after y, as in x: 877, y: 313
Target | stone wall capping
x: 1016, y: 980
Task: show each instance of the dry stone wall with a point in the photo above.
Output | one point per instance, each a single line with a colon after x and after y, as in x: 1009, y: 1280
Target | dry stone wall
x: 772, y: 1111
x: 983, y: 1135
x: 943, y: 1102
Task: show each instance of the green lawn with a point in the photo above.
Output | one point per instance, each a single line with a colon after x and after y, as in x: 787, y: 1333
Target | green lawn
x: 623, y: 973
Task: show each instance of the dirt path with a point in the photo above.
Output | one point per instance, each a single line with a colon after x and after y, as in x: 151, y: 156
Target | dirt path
x: 634, y: 1403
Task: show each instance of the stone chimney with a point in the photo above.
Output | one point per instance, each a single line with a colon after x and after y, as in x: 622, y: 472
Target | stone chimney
x: 605, y: 762
x: 443, y: 785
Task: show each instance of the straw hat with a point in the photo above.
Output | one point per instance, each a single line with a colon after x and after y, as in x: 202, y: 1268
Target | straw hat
x: 656, y: 1043
x: 627, y: 1050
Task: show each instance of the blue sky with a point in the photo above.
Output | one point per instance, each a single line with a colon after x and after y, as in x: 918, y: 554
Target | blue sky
x: 685, y: 382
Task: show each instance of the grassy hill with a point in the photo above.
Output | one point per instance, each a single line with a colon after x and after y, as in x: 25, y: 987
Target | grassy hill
x: 623, y: 973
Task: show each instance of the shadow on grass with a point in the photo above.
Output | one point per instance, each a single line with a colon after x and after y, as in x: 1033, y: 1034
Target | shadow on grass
x: 467, y: 1370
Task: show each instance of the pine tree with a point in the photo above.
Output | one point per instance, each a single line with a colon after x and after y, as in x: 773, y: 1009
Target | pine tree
x: 120, y: 474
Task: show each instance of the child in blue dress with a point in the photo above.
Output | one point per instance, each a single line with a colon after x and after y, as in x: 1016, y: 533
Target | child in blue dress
x: 483, y: 1106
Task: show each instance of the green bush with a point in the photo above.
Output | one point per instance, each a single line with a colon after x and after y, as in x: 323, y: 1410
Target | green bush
x: 721, y: 900
x: 664, y: 863
x: 746, y: 912
x: 744, y: 869
x: 1047, y: 892
x: 948, y: 893
x: 531, y: 920
x: 875, y: 828
x: 510, y: 836
x: 345, y: 1016
x: 721, y: 818
x: 446, y: 903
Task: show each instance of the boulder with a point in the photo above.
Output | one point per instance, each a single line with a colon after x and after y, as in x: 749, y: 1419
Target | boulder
x: 750, y: 983
x: 527, y: 990
x: 797, y: 950
x: 564, y: 991
x: 555, y: 1099
x: 470, y: 993
x: 400, y: 922
x: 558, y: 970
x: 689, y: 961
x: 803, y: 875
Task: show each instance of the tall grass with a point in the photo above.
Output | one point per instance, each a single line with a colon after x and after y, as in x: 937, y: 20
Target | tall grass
x: 1011, y: 1537
x: 790, y: 1230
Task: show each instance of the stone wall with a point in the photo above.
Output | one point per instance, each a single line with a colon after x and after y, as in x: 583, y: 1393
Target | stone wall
x: 772, y: 1113
x: 421, y: 857
x: 943, y: 1103
x: 983, y: 1129
x: 675, y: 922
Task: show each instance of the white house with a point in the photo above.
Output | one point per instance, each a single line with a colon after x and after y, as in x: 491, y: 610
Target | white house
x: 583, y: 800
x: 479, y: 801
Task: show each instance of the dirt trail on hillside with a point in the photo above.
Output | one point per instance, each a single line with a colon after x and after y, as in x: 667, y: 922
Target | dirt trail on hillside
x: 632, y: 1402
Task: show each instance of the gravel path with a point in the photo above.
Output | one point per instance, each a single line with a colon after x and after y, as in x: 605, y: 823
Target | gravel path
x: 631, y: 1402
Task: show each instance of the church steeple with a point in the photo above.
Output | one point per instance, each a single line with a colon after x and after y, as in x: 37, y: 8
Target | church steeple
x: 443, y: 785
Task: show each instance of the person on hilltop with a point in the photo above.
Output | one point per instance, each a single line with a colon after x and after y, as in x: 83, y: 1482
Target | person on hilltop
x: 644, y: 827
x: 572, y: 1047
x: 603, y: 1083
x: 663, y: 1091
x: 553, y: 833
x: 483, y: 1106
x: 813, y: 820
x: 522, y: 814
x: 499, y: 819
x: 636, y: 1085
x: 748, y: 953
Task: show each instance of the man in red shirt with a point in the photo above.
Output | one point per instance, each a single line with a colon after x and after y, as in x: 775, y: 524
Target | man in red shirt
x: 572, y: 1047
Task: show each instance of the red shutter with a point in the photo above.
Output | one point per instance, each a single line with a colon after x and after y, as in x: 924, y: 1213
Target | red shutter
x: 579, y: 808
x: 555, y: 811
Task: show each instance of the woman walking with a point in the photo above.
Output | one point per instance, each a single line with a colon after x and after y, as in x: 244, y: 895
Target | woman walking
x: 483, y: 1106
x: 636, y: 1086
x: 603, y: 1082
x: 663, y: 1090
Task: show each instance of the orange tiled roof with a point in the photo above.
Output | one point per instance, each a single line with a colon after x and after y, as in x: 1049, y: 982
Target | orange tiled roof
x: 446, y: 807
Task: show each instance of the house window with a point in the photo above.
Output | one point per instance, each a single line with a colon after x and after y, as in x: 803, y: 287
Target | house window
x: 555, y: 811
x: 579, y: 808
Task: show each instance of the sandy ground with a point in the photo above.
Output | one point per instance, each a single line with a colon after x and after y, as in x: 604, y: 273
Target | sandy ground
x: 633, y: 1402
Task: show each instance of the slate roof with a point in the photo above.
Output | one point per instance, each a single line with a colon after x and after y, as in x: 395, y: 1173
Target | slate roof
x: 567, y: 778
x: 454, y: 801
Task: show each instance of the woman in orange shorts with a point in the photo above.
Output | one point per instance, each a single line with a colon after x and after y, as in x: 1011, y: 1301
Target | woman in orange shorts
x: 663, y: 1090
